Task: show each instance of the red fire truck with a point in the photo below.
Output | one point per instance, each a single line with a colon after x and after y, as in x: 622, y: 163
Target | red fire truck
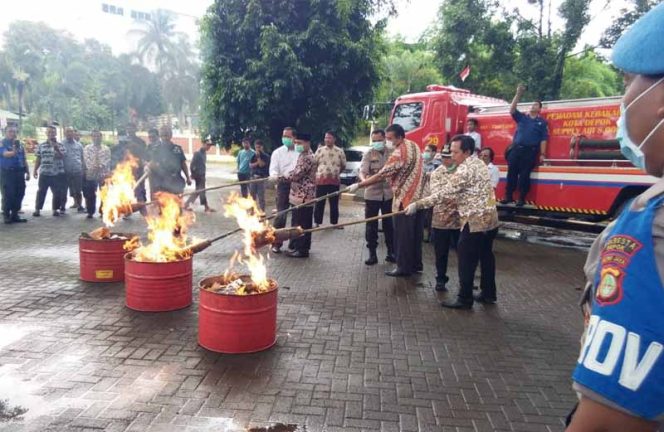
x: 584, y: 175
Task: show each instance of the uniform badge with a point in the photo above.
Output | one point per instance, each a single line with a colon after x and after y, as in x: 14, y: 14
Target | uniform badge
x: 610, y: 291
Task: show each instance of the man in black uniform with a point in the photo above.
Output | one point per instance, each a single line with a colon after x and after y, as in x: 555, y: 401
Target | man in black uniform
x: 14, y: 172
x: 139, y: 150
x: 167, y: 160
x: 198, y: 172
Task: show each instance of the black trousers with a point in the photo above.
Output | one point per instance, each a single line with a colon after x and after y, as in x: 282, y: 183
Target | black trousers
x: 75, y: 186
x: 90, y: 188
x: 373, y: 208
x: 200, y: 184
x: 283, y: 190
x: 443, y: 239
x: 302, y: 217
x: 520, y: 163
x: 476, y: 248
x: 58, y: 186
x: 244, y: 189
x: 408, y: 232
x: 13, y: 191
x: 320, y: 205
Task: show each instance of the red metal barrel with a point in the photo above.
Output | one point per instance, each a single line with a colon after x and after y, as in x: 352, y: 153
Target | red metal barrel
x: 102, y: 260
x: 236, y: 324
x: 158, y: 286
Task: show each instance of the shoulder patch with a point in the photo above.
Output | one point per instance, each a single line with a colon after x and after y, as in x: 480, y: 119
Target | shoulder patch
x: 610, y: 290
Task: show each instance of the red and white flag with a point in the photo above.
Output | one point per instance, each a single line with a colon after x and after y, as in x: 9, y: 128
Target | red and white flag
x: 464, y: 73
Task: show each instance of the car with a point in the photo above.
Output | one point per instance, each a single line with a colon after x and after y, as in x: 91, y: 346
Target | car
x: 354, y: 156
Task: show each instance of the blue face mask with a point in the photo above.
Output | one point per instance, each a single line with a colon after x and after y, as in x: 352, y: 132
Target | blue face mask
x: 299, y: 148
x: 628, y: 148
x: 378, y: 145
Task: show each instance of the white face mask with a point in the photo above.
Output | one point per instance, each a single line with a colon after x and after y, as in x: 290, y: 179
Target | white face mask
x: 389, y: 145
x: 628, y: 148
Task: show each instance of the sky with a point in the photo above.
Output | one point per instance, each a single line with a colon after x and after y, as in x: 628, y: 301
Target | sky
x: 85, y: 19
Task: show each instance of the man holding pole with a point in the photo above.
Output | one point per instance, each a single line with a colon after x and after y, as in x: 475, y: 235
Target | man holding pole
x: 198, y: 171
x: 97, y: 167
x: 282, y: 162
x: 166, y: 162
x: 404, y: 172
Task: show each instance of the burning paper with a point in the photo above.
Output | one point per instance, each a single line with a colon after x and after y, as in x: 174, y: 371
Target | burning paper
x: 117, y: 194
x: 249, y: 218
x: 167, y: 232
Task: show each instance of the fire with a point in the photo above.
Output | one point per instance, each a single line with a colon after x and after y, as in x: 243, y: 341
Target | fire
x: 249, y: 218
x: 167, y: 232
x: 117, y: 194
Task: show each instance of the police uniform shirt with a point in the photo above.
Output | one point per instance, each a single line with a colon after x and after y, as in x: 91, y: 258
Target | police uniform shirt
x: 169, y: 158
x: 15, y: 162
x: 621, y: 363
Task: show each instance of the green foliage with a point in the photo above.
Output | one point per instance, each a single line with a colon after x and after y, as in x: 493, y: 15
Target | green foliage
x: 56, y: 78
x: 626, y: 17
x: 306, y: 63
x: 588, y: 76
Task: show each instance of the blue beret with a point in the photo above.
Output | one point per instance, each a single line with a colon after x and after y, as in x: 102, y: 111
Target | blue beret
x: 640, y: 50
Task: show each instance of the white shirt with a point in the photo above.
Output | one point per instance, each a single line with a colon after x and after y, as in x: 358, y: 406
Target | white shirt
x: 494, y: 174
x: 477, y: 138
x: 283, y: 161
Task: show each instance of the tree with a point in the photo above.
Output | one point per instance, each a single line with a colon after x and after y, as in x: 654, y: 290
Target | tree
x: 156, y: 44
x: 270, y: 64
x: 588, y: 76
x: 626, y: 17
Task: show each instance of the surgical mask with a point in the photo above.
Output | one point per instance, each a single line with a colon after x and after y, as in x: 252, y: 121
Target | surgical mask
x: 299, y: 148
x: 378, y: 145
x: 389, y: 145
x: 427, y: 156
x: 629, y: 148
x: 288, y: 142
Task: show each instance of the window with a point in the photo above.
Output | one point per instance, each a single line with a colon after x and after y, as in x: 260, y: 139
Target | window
x: 134, y: 15
x: 408, y: 115
x: 120, y: 11
x: 104, y: 7
x: 353, y: 155
x: 111, y: 9
x: 147, y: 17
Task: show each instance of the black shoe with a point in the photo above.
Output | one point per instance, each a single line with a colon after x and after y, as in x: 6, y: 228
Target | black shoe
x: 89, y: 216
x: 397, y: 273
x: 506, y: 201
x: 456, y: 305
x: 440, y: 287
x: 373, y: 259
x: 56, y: 213
x: 16, y: 219
x: 481, y: 299
x: 390, y: 258
x: 297, y: 254
x: 520, y: 203
x: 63, y: 210
x: 7, y: 220
x: 275, y: 250
x: 36, y: 213
x: 419, y: 269
x: 81, y: 210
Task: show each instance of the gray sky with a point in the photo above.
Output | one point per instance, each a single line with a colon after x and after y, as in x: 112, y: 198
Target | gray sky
x: 84, y: 18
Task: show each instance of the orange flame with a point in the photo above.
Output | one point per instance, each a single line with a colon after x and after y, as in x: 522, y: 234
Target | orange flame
x: 117, y: 194
x: 167, y: 232
x: 248, y: 217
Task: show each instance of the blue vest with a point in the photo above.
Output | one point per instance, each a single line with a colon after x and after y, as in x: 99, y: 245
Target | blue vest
x: 622, y: 358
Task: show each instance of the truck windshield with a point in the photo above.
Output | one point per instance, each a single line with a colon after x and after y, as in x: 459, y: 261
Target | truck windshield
x: 408, y: 115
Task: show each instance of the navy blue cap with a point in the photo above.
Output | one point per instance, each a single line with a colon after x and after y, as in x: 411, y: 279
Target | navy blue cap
x: 640, y: 50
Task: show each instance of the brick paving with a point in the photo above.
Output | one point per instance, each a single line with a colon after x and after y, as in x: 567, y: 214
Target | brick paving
x: 356, y: 350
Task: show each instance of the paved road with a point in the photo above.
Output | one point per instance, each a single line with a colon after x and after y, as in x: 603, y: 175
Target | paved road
x: 356, y: 351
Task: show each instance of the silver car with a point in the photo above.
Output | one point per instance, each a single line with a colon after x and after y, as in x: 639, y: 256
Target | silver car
x: 354, y: 156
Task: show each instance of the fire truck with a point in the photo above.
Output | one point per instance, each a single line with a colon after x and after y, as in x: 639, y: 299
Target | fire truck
x: 584, y: 175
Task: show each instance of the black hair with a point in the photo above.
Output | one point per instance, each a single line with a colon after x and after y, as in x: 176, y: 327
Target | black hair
x: 153, y: 131
x: 333, y: 133
x: 473, y: 121
x: 397, y: 130
x: 492, y: 154
x: 538, y: 102
x: 467, y: 143
x: 258, y: 142
x: 432, y: 147
x: 290, y: 128
x: 379, y: 131
x: 246, y: 140
x: 303, y: 136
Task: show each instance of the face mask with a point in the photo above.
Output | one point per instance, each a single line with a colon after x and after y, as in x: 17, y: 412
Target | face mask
x: 628, y: 148
x: 427, y: 156
x: 378, y: 145
x: 389, y: 145
x: 299, y: 148
x: 288, y: 142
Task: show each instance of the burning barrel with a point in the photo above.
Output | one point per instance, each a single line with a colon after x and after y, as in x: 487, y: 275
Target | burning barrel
x: 235, y: 317
x: 158, y: 286
x: 101, y: 257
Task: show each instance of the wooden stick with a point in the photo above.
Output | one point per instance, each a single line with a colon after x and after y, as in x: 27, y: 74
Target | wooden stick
x: 371, y: 219
x: 238, y: 183
x: 141, y: 180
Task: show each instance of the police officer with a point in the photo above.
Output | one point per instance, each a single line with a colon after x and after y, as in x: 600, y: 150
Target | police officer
x: 14, y: 172
x: 167, y: 160
x: 620, y: 371
x: 377, y: 198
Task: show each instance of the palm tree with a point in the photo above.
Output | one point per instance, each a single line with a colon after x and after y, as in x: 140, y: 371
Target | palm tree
x: 157, y: 43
